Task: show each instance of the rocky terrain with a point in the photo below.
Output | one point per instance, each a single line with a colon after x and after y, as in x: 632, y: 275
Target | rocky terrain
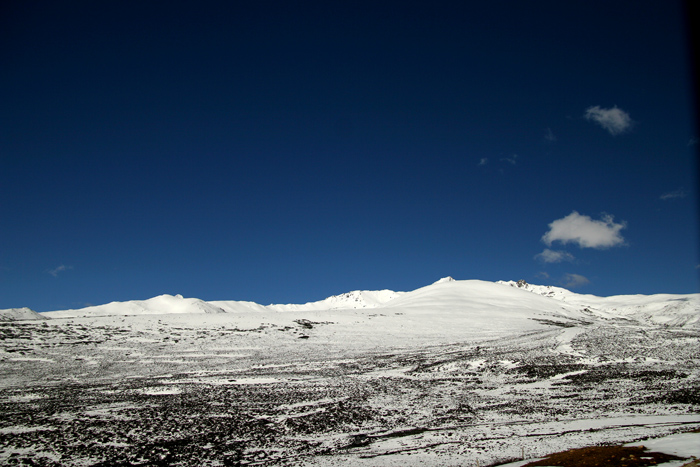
x: 396, y: 385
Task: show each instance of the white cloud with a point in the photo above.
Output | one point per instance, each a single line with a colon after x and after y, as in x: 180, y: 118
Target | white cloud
x: 549, y: 135
x: 585, y: 232
x: 55, y: 271
x: 614, y: 120
x: 483, y: 161
x: 511, y: 159
x: 679, y: 193
x: 554, y: 256
x: 572, y: 281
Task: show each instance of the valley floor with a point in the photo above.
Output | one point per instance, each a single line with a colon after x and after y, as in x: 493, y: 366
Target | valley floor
x: 323, y: 391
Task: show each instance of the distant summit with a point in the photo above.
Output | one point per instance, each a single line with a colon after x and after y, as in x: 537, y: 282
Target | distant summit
x: 350, y: 300
x: 503, y: 300
x: 162, y: 304
x: 546, y: 290
x: 444, y: 279
x: 659, y: 309
x: 19, y: 314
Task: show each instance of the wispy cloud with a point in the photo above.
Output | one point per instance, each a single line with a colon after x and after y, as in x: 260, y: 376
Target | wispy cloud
x: 614, y: 120
x: 679, y: 193
x: 512, y: 159
x: 549, y: 135
x: 571, y: 281
x: 483, y: 161
x: 585, y: 232
x: 59, y: 269
x: 554, y: 256
x: 693, y: 141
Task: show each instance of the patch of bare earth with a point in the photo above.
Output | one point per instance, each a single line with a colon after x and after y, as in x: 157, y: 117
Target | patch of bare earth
x: 606, y: 456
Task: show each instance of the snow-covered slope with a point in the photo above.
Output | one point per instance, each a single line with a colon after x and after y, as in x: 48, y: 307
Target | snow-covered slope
x: 232, y: 306
x: 661, y: 309
x: 480, y: 300
x: 19, y: 314
x: 485, y: 302
x: 351, y: 300
x: 161, y: 304
x: 165, y: 304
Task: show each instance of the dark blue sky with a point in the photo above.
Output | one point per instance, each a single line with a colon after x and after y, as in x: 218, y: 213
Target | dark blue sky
x: 288, y: 151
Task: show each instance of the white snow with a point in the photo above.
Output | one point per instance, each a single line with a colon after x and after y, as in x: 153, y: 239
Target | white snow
x: 444, y: 279
x: 680, y: 444
x: 432, y: 351
x: 19, y: 314
x: 166, y: 304
x: 350, y: 300
x: 677, y: 310
x: 484, y: 303
x: 162, y: 304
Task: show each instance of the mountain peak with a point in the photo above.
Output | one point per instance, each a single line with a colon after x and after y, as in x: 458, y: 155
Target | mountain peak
x: 445, y: 279
x: 19, y: 314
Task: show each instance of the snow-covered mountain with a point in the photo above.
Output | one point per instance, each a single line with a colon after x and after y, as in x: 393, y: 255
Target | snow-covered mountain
x: 162, y: 304
x: 659, y: 309
x: 165, y: 304
x: 350, y: 300
x: 490, y: 301
x: 20, y: 314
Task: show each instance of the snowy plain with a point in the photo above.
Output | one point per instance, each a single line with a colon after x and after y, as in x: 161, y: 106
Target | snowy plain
x: 454, y: 373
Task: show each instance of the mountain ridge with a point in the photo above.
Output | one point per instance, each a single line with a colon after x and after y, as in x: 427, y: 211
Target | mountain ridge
x: 501, y: 298
x: 675, y: 310
x: 20, y: 314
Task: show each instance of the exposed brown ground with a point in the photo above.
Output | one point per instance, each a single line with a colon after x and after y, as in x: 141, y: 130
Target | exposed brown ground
x: 606, y: 456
